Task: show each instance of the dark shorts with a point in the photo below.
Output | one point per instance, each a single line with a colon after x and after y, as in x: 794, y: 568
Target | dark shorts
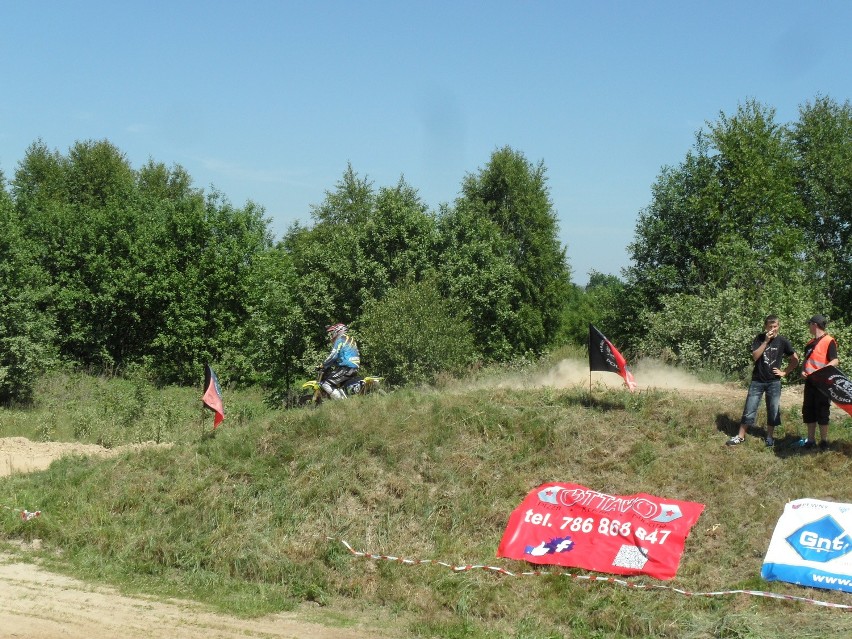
x: 816, y: 406
x: 340, y: 376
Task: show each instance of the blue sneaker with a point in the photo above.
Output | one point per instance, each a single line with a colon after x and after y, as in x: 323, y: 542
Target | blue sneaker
x: 807, y: 444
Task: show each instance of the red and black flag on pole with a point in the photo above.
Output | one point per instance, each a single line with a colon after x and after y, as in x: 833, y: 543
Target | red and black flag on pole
x: 213, y: 395
x: 835, y: 384
x: 603, y: 356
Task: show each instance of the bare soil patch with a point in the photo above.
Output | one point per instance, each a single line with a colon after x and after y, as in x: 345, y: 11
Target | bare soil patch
x: 38, y: 604
x: 20, y: 455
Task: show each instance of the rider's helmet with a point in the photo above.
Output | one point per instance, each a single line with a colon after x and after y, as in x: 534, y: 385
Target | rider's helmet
x: 335, y: 330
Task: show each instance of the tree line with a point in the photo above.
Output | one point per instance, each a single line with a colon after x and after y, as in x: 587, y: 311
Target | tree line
x: 114, y: 269
x: 117, y: 270
x: 756, y: 219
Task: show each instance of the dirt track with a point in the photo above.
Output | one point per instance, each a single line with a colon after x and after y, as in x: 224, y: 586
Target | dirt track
x: 38, y: 604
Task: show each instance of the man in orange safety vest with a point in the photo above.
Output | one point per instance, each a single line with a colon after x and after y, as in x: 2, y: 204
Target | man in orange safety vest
x: 821, y: 351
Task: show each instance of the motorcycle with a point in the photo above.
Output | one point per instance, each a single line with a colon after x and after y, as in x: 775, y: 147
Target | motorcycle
x: 356, y: 386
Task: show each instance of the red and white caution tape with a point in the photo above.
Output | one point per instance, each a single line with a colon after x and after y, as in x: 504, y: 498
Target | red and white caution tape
x: 25, y: 514
x: 595, y: 578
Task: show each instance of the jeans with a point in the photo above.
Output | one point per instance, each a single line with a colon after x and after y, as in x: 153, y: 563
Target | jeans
x: 773, y: 402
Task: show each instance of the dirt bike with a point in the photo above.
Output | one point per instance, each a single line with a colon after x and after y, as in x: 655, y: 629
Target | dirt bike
x: 355, y: 386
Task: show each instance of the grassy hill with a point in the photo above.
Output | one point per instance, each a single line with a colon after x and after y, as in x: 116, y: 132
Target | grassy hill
x: 242, y: 519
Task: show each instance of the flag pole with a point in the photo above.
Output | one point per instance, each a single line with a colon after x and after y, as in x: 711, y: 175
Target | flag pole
x: 589, y: 347
x: 590, y: 388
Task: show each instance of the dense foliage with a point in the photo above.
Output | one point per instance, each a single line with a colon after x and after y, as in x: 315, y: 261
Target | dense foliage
x: 754, y: 221
x: 26, y: 330
x: 142, y: 267
x: 108, y: 267
x: 413, y: 345
x: 503, y: 256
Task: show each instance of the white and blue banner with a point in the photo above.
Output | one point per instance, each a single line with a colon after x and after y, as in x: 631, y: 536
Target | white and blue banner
x: 812, y: 546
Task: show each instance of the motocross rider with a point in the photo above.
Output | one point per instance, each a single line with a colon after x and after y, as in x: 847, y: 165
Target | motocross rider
x: 345, y: 359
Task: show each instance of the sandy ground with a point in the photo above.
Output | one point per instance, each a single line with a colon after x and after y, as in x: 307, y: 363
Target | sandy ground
x: 38, y: 604
x: 20, y: 455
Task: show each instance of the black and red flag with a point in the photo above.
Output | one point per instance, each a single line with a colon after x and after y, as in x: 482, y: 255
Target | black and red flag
x: 835, y: 384
x: 603, y: 356
x: 213, y: 395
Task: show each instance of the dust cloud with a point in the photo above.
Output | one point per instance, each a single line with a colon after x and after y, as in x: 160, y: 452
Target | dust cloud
x: 648, y: 373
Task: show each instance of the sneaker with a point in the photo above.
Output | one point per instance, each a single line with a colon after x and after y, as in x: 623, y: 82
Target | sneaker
x: 807, y: 444
x: 770, y: 442
x: 736, y: 439
x: 823, y: 445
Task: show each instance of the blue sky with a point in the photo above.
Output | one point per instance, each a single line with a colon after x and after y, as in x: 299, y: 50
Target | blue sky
x: 268, y: 101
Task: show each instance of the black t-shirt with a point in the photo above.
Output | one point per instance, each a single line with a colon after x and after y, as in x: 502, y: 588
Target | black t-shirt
x: 777, y: 349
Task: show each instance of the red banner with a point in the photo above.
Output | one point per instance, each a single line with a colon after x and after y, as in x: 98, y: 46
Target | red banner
x: 571, y: 525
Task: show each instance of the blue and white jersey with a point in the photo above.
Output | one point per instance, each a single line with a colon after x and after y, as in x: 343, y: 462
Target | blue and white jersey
x: 344, y: 352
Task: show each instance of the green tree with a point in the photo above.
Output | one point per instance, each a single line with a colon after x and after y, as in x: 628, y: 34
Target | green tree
x: 577, y: 312
x: 729, y: 218
x: 207, y: 254
x: 78, y: 211
x: 327, y: 261
x: 508, y: 202
x: 350, y: 203
x: 275, y: 342
x: 328, y: 257
x: 715, y: 329
x: 39, y: 180
x: 760, y: 206
x: 397, y: 240
x: 729, y: 214
x: 477, y: 273
x: 362, y: 243
x: 144, y: 268
x: 599, y: 303
x: 26, y: 327
x: 98, y: 173
x: 675, y: 232
x: 823, y: 141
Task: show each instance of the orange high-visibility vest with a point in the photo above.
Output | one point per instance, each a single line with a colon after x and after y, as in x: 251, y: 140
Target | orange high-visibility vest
x: 818, y: 357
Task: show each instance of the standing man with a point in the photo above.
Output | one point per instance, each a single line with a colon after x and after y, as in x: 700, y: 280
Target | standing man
x: 768, y: 351
x: 819, y: 352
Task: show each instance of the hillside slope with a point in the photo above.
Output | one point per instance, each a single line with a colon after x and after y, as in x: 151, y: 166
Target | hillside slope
x: 252, y: 519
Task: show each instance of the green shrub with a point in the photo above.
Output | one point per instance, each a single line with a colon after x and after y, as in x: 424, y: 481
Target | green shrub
x: 715, y: 329
x: 412, y: 334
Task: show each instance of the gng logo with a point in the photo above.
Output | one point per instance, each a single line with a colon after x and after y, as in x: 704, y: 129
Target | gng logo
x: 821, y: 540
